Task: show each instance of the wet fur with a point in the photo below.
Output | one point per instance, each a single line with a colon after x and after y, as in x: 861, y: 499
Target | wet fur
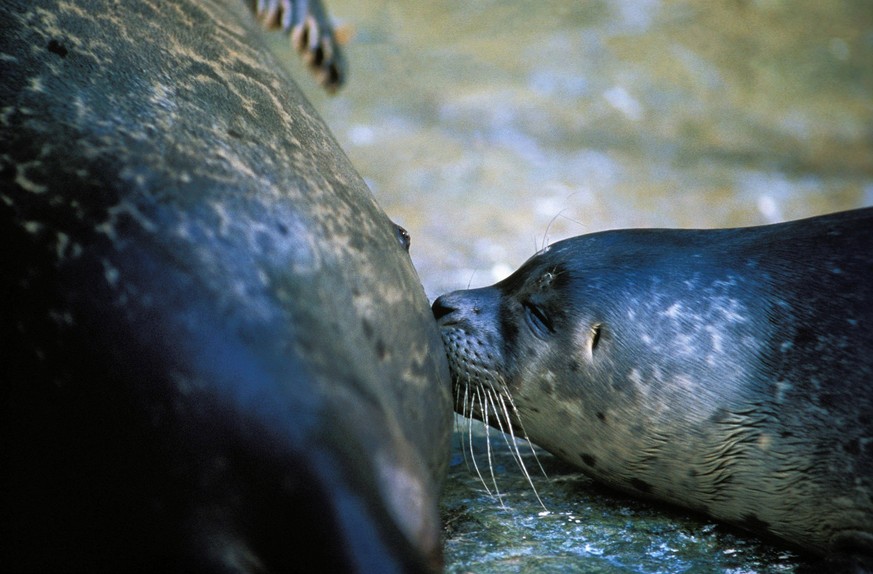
x: 728, y: 371
x: 215, y: 354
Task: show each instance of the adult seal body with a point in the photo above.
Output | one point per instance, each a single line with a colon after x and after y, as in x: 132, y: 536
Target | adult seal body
x: 729, y: 371
x: 215, y: 354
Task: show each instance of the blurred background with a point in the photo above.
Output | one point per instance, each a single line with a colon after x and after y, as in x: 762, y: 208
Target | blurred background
x: 490, y: 128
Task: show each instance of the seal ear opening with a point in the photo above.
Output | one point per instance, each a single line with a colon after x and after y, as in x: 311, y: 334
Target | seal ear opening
x: 595, y: 336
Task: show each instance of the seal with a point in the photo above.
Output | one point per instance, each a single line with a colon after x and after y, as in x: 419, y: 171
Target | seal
x: 727, y: 371
x: 215, y: 353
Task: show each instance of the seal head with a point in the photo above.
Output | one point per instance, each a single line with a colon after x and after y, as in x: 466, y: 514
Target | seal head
x: 727, y: 371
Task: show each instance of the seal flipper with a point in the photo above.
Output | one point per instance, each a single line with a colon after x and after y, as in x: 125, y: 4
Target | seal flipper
x: 312, y: 35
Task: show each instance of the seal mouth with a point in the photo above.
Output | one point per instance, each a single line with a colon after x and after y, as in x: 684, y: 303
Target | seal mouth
x: 481, y: 393
x: 470, y: 362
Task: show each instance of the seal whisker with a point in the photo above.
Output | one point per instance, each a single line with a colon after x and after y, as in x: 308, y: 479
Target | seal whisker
x: 548, y: 228
x: 498, y: 402
x: 506, y: 431
x: 472, y: 458
x: 513, y: 446
x: 524, y: 434
x: 484, y: 402
x: 461, y: 401
x: 473, y: 398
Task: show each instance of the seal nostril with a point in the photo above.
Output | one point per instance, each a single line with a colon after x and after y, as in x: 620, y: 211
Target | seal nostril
x: 441, y: 309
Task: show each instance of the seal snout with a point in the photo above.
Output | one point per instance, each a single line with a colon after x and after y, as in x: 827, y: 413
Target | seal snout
x: 463, y: 305
x: 441, y: 307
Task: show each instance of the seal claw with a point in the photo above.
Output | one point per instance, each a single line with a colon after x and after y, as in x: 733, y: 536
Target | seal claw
x: 312, y: 36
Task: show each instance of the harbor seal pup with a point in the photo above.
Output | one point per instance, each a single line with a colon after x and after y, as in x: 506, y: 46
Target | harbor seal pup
x: 729, y: 371
x: 215, y: 354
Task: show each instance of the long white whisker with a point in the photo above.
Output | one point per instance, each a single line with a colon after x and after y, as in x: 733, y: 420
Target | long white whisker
x: 525, y: 435
x: 463, y: 401
x: 506, y: 431
x: 548, y: 228
x: 470, y: 439
x: 516, y: 452
x: 499, y: 406
x: 485, y: 401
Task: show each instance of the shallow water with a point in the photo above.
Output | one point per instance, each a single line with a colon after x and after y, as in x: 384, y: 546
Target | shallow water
x: 491, y: 128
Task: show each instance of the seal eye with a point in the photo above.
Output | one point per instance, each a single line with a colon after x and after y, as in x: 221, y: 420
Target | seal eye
x: 537, y: 319
x: 402, y: 237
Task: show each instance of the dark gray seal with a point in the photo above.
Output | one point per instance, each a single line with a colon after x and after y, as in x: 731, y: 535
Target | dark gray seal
x: 215, y: 354
x: 729, y: 371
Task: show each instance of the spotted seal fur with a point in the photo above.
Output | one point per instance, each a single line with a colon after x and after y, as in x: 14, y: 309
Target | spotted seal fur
x: 215, y: 354
x: 729, y: 371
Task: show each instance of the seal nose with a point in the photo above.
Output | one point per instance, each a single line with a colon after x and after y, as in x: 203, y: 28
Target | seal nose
x: 441, y: 308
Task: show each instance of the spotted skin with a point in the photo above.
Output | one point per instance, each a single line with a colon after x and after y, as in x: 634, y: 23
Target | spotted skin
x: 216, y: 354
x: 727, y: 371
